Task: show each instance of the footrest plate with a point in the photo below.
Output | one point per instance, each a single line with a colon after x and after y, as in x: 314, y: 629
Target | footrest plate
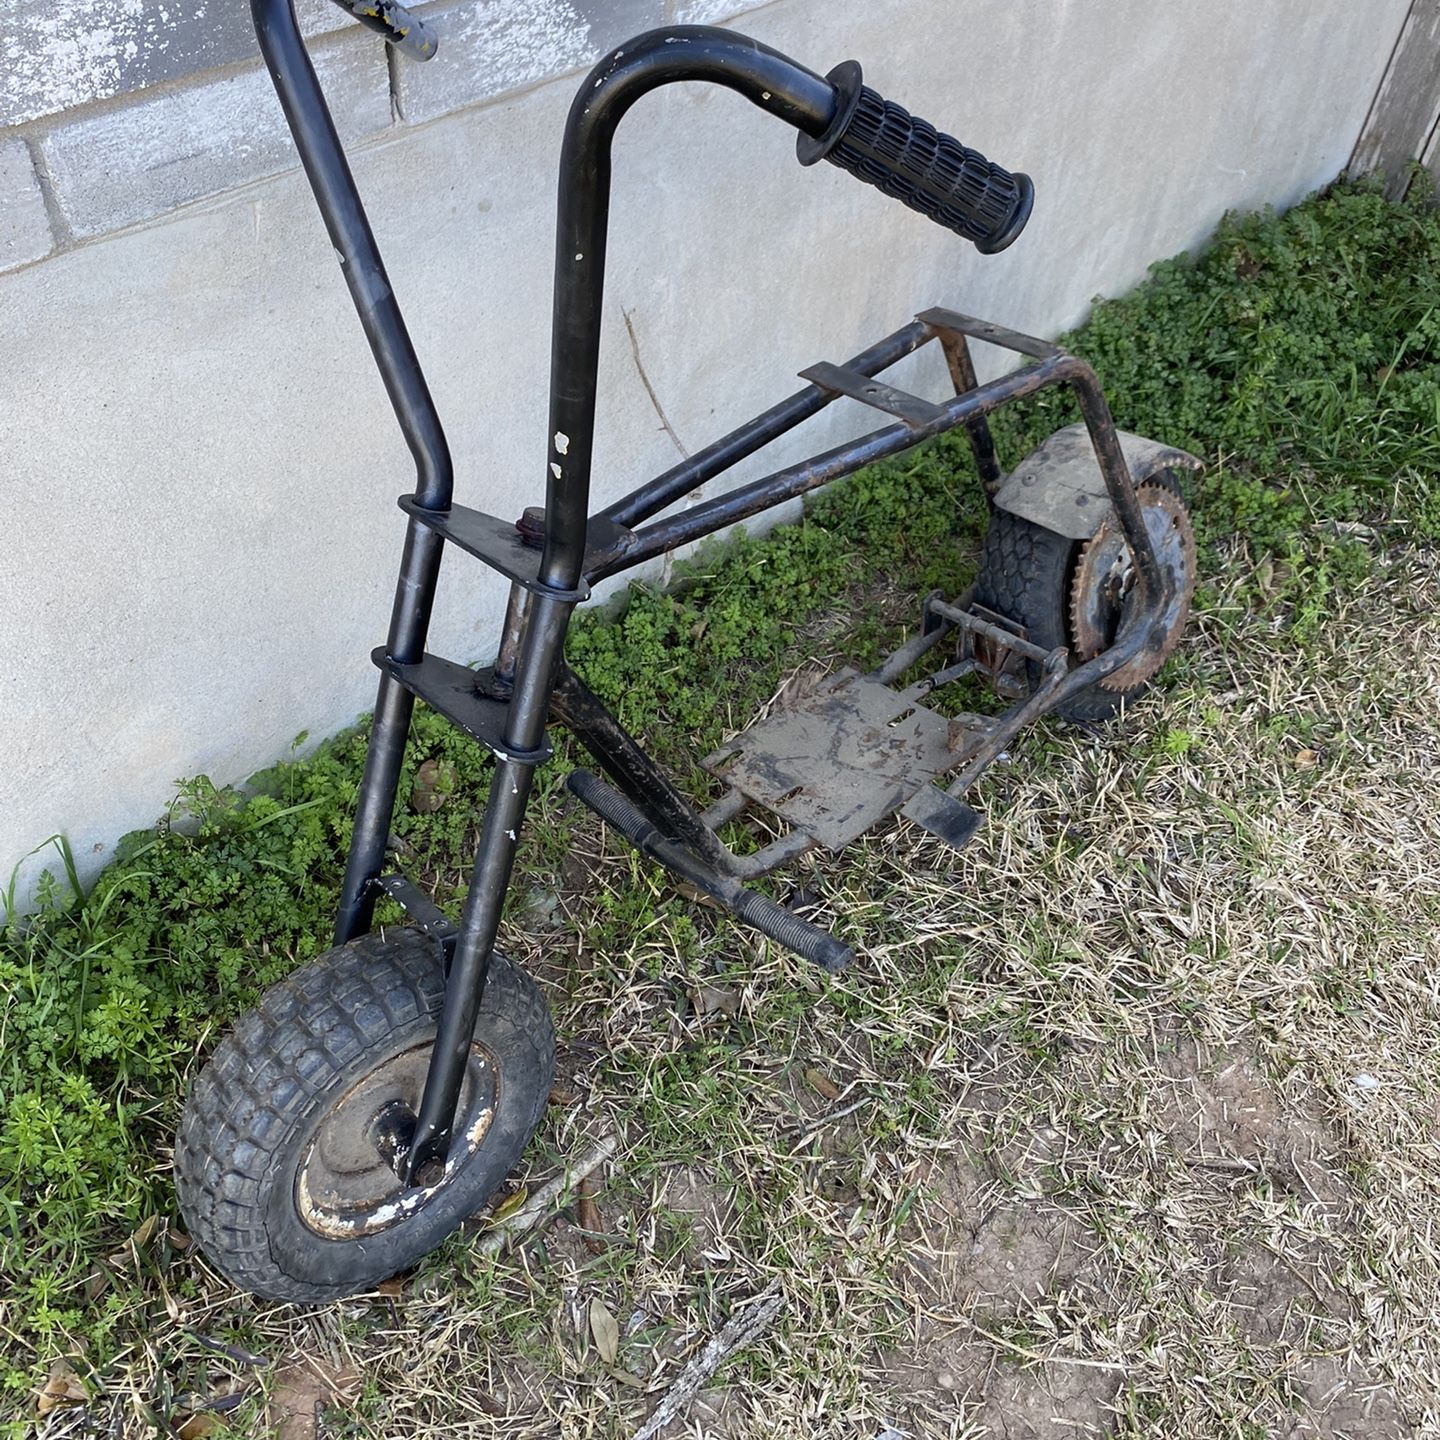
x: 451, y: 689
x: 945, y: 817
x: 842, y: 759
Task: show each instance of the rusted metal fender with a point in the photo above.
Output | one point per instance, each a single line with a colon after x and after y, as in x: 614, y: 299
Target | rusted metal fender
x: 1059, y: 485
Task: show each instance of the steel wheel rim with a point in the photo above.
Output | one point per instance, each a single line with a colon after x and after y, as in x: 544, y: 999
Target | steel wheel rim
x: 345, y: 1188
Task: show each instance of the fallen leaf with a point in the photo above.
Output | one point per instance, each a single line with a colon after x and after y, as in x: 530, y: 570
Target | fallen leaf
x: 434, y: 782
x: 718, y: 1000
x: 590, y: 1218
x: 627, y: 1377
x: 199, y: 1425
x: 510, y: 1204
x: 63, y: 1388
x: 822, y: 1084
x: 606, y: 1330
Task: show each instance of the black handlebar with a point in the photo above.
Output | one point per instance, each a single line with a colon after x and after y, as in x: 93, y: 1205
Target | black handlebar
x: 406, y: 32
x: 884, y: 145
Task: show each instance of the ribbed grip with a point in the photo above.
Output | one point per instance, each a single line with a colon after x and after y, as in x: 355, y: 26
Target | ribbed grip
x: 907, y: 158
x: 808, y: 941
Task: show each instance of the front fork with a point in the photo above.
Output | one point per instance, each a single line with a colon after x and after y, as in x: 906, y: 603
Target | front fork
x: 539, y: 654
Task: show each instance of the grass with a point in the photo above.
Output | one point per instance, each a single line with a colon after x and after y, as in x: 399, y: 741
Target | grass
x: 1143, y: 1080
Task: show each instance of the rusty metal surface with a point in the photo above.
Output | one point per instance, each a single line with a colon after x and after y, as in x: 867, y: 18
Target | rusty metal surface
x: 941, y: 320
x: 844, y: 758
x: 1103, y: 603
x: 1060, y: 486
x: 875, y: 393
x: 945, y: 817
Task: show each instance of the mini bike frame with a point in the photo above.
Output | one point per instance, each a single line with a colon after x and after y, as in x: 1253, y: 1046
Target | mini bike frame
x: 552, y: 557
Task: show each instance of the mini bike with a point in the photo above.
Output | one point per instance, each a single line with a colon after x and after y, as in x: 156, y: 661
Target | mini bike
x: 377, y: 1097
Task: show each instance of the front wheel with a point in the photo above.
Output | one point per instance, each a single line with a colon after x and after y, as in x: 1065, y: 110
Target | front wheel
x: 1080, y: 594
x: 283, y: 1158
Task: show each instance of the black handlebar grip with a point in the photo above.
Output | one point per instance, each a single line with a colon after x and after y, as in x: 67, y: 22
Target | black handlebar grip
x: 406, y: 32
x: 886, y: 146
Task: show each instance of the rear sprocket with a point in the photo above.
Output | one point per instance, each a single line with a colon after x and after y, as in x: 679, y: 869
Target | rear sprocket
x: 1103, y: 587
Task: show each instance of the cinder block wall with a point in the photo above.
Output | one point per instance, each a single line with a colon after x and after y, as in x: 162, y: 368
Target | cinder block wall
x: 199, y: 527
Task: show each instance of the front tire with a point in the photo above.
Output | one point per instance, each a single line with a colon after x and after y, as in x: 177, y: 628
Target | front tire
x: 279, y: 1172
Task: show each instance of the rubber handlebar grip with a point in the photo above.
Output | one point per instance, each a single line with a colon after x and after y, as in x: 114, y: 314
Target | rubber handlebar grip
x: 907, y: 158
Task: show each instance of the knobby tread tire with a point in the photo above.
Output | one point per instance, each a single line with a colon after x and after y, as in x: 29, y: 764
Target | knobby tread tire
x: 273, y: 1077
x: 1025, y: 575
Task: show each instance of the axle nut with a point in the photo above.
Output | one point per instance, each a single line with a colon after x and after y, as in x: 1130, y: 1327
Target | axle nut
x: 531, y: 526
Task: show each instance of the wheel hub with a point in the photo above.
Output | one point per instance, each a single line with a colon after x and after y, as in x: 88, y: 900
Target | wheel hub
x: 347, y: 1184
x: 1104, y: 602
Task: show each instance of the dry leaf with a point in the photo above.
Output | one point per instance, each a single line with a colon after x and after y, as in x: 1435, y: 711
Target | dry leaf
x: 627, y: 1377
x: 510, y: 1204
x: 606, y: 1330
x: 434, y: 781
x: 822, y: 1084
x: 64, y: 1388
x: 717, y: 1000
x: 199, y: 1425
x: 590, y: 1218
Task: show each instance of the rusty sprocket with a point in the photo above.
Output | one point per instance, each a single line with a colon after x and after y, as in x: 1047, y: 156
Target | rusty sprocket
x: 1103, y: 599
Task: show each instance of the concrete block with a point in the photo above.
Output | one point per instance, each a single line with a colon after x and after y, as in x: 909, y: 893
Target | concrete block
x: 488, y: 47
x: 59, y: 54
x: 709, y: 12
x: 24, y: 225
x: 120, y: 166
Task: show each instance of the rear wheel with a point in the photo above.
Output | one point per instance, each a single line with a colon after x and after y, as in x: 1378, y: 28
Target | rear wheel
x: 283, y: 1161
x: 1081, y: 594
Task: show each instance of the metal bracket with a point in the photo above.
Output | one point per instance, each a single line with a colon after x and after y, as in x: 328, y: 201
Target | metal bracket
x: 420, y: 908
x: 914, y: 411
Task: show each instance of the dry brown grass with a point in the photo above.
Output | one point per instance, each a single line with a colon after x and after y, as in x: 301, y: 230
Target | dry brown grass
x: 1123, y: 1123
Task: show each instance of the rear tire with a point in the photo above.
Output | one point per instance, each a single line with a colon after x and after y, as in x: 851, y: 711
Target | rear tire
x: 275, y: 1171
x: 1026, y: 574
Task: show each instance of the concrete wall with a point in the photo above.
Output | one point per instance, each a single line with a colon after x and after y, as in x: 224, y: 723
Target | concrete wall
x: 200, y: 533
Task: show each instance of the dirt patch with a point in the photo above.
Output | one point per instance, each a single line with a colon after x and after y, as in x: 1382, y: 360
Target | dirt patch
x: 702, y: 1213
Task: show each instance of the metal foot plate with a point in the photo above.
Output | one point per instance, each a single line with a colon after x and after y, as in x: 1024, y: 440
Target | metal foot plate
x: 844, y: 758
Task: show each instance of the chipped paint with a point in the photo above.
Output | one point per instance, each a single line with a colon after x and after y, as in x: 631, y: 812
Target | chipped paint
x: 562, y: 440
